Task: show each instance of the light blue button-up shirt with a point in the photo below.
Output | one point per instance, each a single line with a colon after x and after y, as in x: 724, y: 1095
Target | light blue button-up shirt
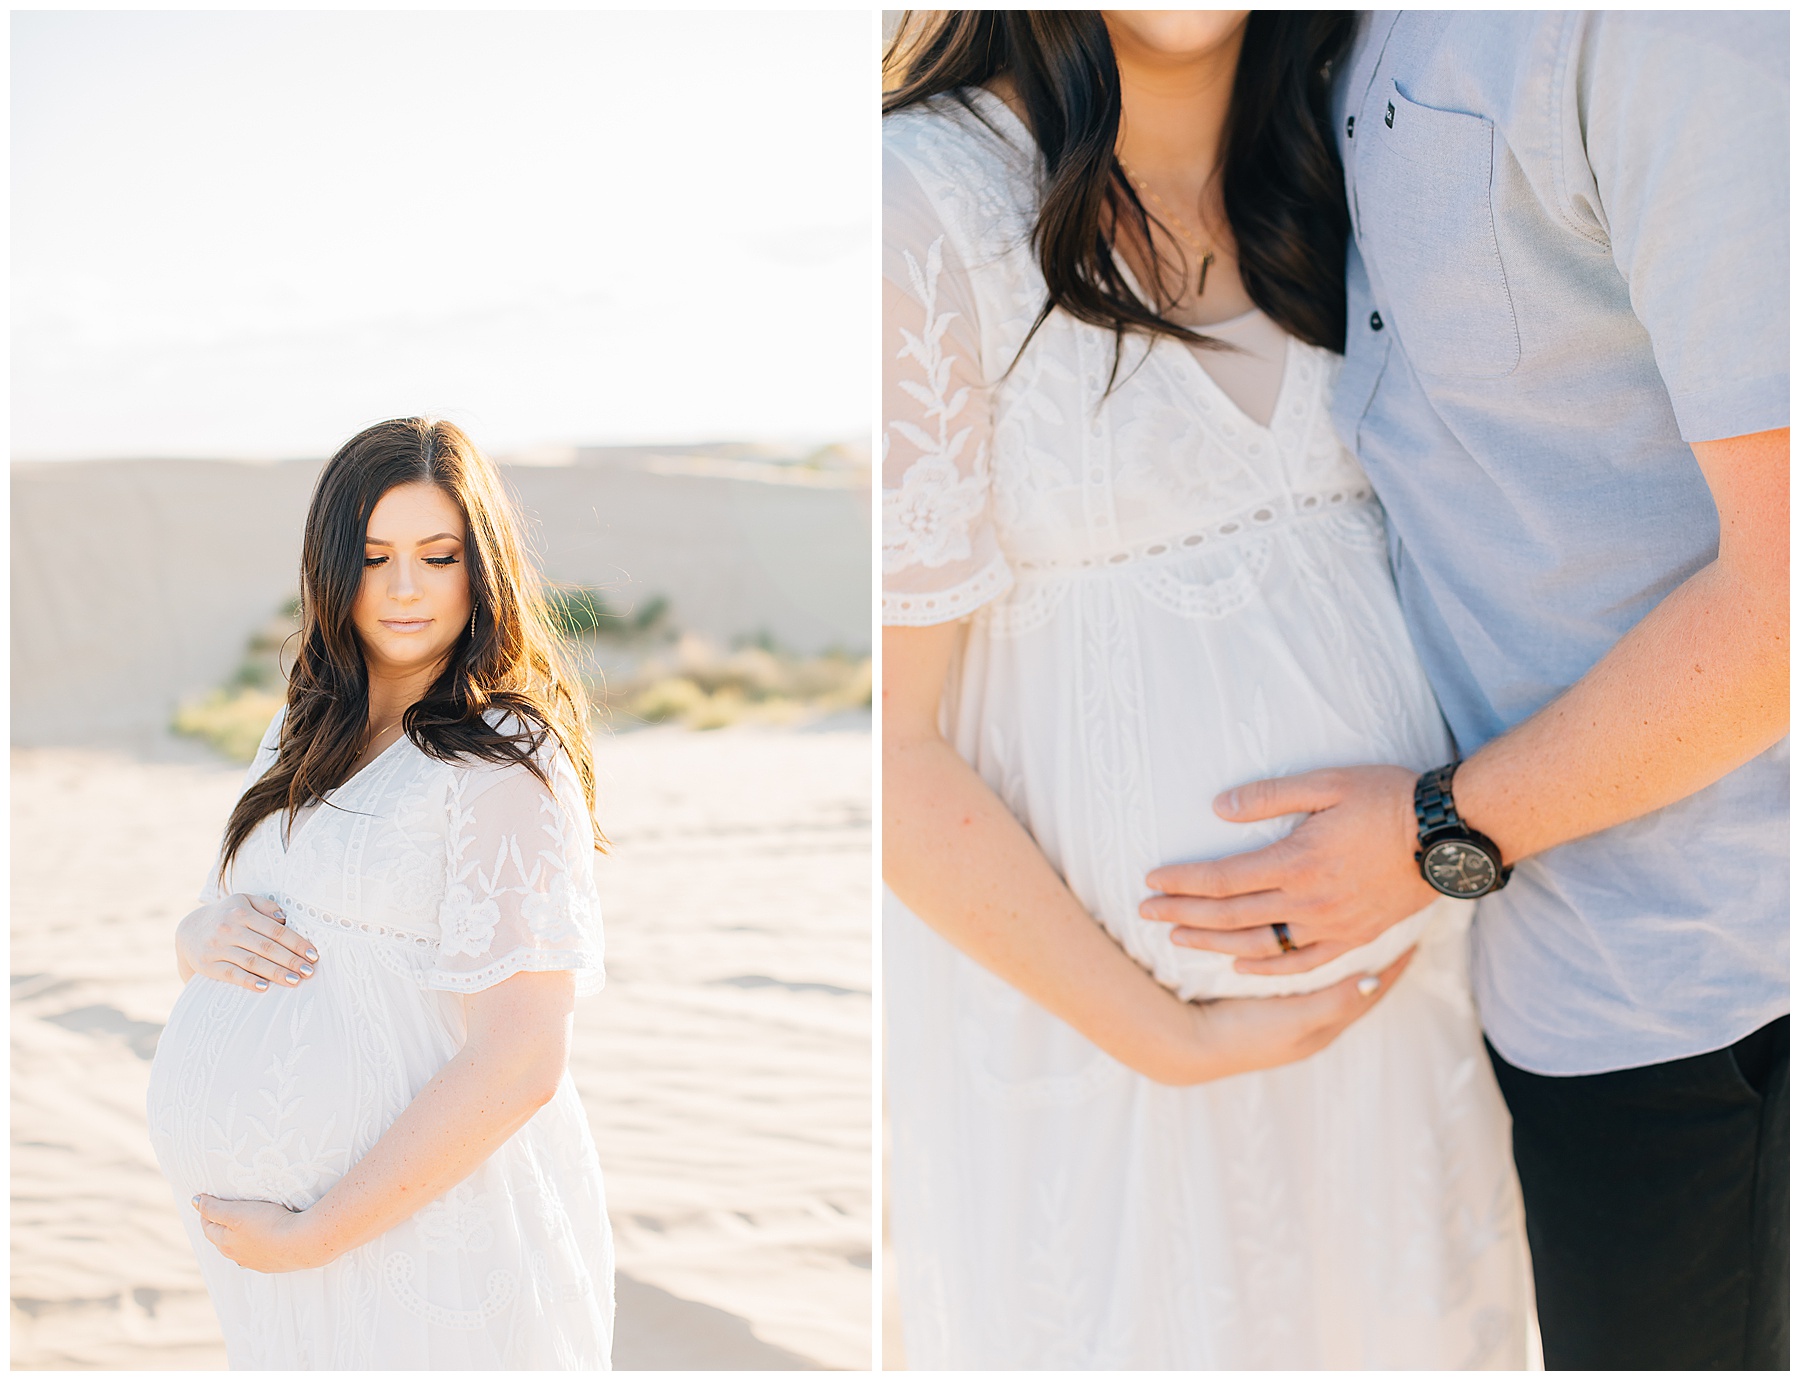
x: 1570, y: 261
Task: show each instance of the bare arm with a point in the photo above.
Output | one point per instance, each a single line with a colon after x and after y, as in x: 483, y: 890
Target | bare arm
x: 509, y: 1067
x: 1695, y: 690
x: 957, y: 857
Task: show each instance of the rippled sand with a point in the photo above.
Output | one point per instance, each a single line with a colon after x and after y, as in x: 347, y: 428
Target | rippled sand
x: 726, y: 1068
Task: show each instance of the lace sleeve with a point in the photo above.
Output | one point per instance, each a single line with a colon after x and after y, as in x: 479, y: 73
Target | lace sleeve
x: 940, y: 558
x: 266, y: 752
x: 519, y: 887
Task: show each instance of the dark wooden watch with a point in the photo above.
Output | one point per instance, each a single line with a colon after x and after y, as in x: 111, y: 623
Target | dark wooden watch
x: 1458, y: 861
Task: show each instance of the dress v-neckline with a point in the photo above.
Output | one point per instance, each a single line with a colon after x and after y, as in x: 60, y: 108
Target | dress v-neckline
x: 298, y: 824
x: 1219, y: 395
x: 1242, y: 418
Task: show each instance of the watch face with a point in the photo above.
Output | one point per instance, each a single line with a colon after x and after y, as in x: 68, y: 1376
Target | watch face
x: 1459, y: 870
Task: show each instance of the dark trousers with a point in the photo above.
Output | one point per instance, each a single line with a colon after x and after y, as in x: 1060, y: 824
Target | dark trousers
x: 1656, y: 1202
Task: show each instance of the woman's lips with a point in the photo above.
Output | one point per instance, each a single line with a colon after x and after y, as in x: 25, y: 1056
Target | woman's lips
x: 406, y: 625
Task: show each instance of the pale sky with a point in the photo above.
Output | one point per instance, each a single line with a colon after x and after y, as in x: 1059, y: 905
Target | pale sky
x: 251, y: 234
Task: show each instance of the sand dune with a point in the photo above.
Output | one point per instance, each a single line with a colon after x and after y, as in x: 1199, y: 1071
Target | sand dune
x: 183, y: 560
x: 725, y: 1068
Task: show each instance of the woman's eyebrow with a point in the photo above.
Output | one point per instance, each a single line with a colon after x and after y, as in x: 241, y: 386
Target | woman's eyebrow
x: 435, y: 537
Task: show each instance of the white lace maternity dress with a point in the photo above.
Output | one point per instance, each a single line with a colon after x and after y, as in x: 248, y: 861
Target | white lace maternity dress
x: 1167, y: 599
x: 418, y: 882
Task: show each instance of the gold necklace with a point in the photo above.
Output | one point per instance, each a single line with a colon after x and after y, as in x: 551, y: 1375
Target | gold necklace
x: 1180, y: 226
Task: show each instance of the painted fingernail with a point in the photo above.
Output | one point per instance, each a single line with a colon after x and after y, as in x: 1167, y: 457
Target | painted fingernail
x: 1226, y: 801
x: 261, y: 983
x: 312, y: 954
x: 1368, y: 985
x: 307, y: 969
x: 195, y: 1201
x: 291, y: 977
x: 281, y: 915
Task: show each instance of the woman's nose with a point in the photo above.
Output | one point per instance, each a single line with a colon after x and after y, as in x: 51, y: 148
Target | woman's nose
x: 406, y: 584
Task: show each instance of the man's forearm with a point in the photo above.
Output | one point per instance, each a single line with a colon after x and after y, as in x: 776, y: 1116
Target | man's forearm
x: 1695, y: 690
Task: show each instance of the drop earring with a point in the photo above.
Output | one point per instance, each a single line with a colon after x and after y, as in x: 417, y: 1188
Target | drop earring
x: 473, y: 610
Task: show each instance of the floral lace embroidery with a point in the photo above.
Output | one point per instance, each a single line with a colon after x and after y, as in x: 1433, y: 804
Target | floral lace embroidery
x: 460, y: 1221
x: 1206, y: 599
x: 925, y: 522
x: 271, y: 1155
x: 399, y: 1269
x: 467, y: 925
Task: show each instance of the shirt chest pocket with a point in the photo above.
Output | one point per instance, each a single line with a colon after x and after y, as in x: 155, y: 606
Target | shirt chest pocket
x: 1426, y: 228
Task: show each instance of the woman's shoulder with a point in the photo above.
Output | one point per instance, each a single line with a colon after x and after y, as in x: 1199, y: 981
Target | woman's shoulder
x: 959, y: 134
x: 549, y: 755
x: 966, y: 173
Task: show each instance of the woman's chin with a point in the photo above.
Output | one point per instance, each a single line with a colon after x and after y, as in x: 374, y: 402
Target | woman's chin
x: 401, y: 654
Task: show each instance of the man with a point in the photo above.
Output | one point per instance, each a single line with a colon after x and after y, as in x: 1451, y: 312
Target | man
x: 1567, y: 376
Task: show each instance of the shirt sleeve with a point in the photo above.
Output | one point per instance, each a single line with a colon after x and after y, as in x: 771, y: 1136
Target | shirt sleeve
x: 1685, y: 125
x: 266, y: 753
x: 940, y: 556
x: 519, y: 888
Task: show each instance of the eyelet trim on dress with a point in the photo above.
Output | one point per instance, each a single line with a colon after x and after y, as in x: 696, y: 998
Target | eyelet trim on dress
x: 413, y: 939
x: 588, y: 969
x: 945, y: 606
x: 1259, y: 517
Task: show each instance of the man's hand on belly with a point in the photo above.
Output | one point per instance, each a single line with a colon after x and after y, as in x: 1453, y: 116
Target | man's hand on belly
x: 1345, y: 874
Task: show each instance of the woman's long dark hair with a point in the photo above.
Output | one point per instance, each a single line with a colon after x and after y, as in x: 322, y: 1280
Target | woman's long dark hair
x: 1282, y: 182
x: 510, y: 661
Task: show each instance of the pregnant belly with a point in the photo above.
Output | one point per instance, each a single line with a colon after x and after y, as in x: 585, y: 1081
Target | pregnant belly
x: 275, y: 1095
x: 1113, y: 762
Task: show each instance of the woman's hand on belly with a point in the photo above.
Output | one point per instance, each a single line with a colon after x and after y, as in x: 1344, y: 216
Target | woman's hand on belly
x: 1235, y: 1035
x: 955, y: 855
x: 261, y: 1236
x: 243, y: 940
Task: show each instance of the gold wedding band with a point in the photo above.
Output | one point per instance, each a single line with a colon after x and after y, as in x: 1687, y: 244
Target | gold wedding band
x: 1282, y: 937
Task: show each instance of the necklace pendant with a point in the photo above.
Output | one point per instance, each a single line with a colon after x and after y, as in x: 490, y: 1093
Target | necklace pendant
x: 1205, y: 264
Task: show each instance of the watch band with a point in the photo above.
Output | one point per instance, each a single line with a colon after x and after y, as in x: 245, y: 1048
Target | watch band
x: 1433, y: 803
x: 1438, y: 821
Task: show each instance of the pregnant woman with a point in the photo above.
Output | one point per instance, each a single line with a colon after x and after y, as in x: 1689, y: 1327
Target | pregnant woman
x: 362, y: 1097
x: 1128, y: 567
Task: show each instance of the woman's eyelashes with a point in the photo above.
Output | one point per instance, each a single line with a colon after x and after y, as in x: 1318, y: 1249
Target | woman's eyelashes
x: 369, y: 562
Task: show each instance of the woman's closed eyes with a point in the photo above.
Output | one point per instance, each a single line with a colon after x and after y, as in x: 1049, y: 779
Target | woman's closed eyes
x: 369, y: 562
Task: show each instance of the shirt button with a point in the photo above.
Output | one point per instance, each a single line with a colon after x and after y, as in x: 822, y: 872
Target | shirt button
x: 1350, y: 128
x: 1374, y: 321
